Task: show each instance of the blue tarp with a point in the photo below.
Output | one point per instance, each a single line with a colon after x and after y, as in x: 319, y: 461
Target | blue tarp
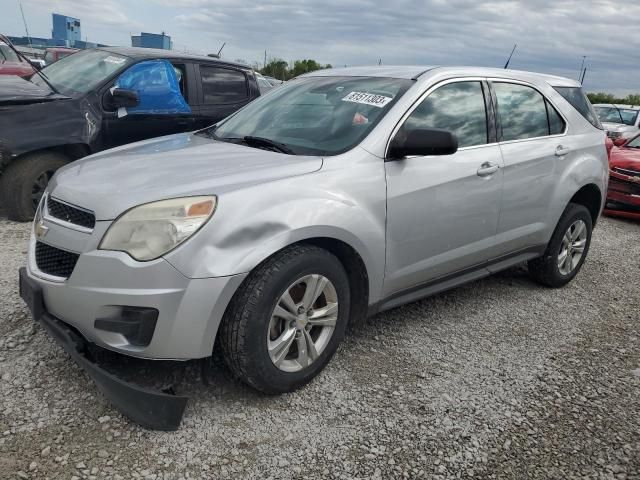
x: 157, y: 86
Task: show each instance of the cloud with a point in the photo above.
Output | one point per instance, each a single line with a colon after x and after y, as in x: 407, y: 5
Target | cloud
x: 552, y: 36
x: 100, y: 12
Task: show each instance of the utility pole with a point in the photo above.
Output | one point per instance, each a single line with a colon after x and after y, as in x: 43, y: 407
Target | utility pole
x: 506, y: 65
x: 25, y: 26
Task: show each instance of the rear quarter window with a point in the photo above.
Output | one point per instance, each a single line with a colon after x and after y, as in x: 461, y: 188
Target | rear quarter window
x: 578, y: 100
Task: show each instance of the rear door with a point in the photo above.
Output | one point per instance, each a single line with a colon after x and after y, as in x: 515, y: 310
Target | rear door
x: 534, y: 146
x: 223, y: 89
x: 442, y: 211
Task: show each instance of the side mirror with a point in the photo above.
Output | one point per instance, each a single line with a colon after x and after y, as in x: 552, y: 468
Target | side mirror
x: 618, y: 142
x: 421, y: 142
x: 121, y: 97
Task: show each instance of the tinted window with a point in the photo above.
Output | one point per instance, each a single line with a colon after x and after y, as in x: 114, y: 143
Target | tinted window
x: 556, y: 122
x: 457, y: 107
x: 576, y: 97
x: 522, y: 112
x: 223, y: 85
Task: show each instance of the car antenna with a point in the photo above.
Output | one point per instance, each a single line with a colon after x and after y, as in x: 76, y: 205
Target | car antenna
x: 506, y: 65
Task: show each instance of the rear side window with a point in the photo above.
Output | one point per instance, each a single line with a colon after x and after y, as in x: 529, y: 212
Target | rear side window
x: 576, y: 97
x: 522, y: 111
x: 556, y: 122
x: 457, y: 107
x: 223, y: 85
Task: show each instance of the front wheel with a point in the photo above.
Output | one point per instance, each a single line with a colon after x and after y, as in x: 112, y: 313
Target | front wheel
x: 287, y: 320
x: 24, y: 181
x: 566, y: 250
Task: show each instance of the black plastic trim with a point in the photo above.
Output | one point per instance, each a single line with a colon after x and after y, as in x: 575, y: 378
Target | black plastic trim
x: 148, y: 408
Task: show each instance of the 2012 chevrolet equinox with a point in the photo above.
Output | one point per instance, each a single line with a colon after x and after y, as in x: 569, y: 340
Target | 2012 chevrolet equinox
x: 340, y: 194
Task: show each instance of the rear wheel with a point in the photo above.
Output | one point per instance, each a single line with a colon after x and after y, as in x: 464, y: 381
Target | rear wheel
x: 566, y: 250
x: 24, y: 181
x: 287, y: 320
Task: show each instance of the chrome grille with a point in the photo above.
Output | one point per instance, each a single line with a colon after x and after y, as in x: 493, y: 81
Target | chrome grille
x: 626, y: 171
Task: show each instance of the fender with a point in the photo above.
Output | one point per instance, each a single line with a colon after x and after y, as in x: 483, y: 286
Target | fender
x: 250, y: 226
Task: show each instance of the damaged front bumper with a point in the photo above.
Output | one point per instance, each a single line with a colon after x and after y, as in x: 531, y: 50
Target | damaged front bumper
x: 151, y: 409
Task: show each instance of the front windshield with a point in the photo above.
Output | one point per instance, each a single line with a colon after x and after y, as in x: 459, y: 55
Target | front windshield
x: 315, y: 115
x: 7, y: 54
x: 634, y: 143
x: 82, y: 71
x: 617, y: 115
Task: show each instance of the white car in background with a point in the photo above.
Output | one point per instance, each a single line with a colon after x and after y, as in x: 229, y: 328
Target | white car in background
x: 620, y: 121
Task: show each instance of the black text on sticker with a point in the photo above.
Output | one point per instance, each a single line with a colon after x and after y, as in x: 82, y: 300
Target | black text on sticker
x: 367, y: 99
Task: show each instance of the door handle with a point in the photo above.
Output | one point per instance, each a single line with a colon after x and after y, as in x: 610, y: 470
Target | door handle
x: 487, y: 168
x: 562, y: 151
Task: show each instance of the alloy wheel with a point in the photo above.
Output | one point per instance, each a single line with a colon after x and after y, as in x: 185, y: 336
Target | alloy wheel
x: 302, y: 323
x: 572, y: 247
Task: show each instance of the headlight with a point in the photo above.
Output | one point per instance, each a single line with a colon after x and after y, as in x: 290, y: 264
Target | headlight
x: 151, y: 230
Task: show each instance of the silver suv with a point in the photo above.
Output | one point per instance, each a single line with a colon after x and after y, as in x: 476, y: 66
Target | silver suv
x: 340, y: 194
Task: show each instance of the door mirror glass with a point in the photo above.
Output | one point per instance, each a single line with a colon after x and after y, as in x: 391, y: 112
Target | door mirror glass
x: 422, y: 142
x: 123, y: 98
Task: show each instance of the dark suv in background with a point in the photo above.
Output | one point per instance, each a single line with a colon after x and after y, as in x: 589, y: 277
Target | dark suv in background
x: 102, y: 98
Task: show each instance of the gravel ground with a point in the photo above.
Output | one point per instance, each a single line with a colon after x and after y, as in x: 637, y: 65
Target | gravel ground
x: 497, y: 379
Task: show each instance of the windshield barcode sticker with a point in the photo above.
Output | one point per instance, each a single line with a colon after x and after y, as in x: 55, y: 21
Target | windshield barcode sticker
x: 115, y: 60
x: 367, y: 99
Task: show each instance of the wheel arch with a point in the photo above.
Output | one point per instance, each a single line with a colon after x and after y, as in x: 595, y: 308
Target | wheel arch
x: 589, y: 196
x: 72, y: 151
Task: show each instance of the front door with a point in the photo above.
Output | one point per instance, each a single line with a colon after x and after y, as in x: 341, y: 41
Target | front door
x: 442, y: 211
x: 163, y: 104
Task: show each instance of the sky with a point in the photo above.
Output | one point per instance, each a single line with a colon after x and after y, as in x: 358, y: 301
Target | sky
x: 552, y: 35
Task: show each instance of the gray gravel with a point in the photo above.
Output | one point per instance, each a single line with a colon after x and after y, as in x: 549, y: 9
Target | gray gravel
x: 497, y: 379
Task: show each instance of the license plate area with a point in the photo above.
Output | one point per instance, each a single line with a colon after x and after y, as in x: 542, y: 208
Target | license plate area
x: 31, y: 293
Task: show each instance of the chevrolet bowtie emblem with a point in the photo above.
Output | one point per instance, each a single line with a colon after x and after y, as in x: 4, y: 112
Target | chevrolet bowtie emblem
x: 41, y: 230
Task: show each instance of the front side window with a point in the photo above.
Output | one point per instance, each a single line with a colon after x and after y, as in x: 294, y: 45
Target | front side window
x: 315, y: 115
x: 223, y: 85
x: 522, y: 111
x: 458, y: 107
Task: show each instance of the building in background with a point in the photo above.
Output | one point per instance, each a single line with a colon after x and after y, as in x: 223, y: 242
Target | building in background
x: 151, y: 40
x: 65, y: 33
x: 66, y: 30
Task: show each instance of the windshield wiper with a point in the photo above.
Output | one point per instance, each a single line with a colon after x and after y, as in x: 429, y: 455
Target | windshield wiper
x: 42, y: 75
x: 265, y: 142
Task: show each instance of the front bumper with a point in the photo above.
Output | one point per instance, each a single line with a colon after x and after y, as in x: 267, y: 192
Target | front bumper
x: 623, y: 194
x: 104, y: 282
x: 151, y: 409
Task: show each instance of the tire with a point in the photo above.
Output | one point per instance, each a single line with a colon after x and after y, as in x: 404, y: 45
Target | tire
x: 249, y: 325
x: 546, y: 270
x: 20, y: 180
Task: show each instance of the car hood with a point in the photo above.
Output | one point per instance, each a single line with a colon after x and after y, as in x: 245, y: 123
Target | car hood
x: 628, y: 158
x: 618, y: 127
x: 16, y: 90
x: 116, y: 180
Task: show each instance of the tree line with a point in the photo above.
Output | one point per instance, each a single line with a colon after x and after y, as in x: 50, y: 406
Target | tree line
x: 602, y: 97
x: 283, y: 70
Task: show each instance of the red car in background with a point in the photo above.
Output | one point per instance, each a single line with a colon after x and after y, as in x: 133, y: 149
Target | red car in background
x: 623, y: 195
x: 10, y: 62
x: 54, y: 54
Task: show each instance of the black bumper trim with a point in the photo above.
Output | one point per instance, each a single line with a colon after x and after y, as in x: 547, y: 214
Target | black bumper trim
x: 149, y: 408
